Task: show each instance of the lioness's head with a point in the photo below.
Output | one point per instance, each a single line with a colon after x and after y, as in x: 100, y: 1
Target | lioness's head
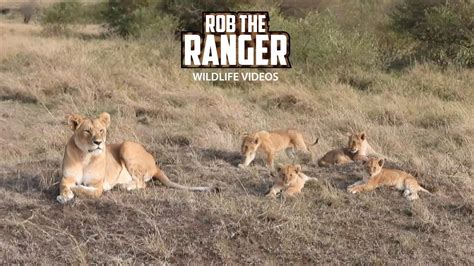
x: 250, y: 144
x: 289, y: 173
x: 374, y: 166
x: 90, y: 133
x: 356, y: 141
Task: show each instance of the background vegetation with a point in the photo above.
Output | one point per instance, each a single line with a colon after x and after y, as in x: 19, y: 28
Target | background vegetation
x: 400, y: 70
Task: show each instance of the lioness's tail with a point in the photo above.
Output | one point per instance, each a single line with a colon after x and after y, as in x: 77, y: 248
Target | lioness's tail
x: 424, y: 190
x: 167, y: 182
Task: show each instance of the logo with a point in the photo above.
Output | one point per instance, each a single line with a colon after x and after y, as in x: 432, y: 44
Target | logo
x: 235, y: 40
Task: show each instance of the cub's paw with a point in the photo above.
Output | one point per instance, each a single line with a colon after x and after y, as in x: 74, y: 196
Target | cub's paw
x: 354, y: 189
x: 241, y: 166
x: 271, y: 195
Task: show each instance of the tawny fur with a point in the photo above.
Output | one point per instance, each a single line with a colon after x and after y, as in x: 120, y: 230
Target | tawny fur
x: 357, y: 149
x: 380, y: 176
x: 271, y: 143
x: 91, y: 167
x: 290, y: 181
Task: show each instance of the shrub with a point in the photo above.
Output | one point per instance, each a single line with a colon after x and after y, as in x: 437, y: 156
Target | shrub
x: 439, y: 30
x: 137, y: 18
x: 60, y: 16
x: 189, y: 12
x: 319, y: 43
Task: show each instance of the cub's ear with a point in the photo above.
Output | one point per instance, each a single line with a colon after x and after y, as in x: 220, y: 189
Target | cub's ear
x: 362, y: 136
x: 381, y: 162
x: 347, y: 134
x: 298, y: 168
x: 279, y: 167
x: 257, y: 140
x: 105, y: 118
x: 74, y: 121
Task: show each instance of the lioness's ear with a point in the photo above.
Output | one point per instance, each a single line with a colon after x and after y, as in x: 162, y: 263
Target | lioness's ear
x: 362, y: 136
x: 298, y: 168
x: 105, y: 118
x: 381, y: 162
x: 74, y: 121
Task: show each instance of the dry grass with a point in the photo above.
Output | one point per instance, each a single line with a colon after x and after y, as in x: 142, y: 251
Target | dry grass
x: 421, y: 119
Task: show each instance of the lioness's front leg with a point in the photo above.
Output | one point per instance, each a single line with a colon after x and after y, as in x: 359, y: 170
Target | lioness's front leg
x: 65, y: 192
x: 92, y: 190
x: 248, y: 159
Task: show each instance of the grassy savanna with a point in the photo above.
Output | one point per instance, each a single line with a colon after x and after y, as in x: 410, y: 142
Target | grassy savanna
x: 420, y: 117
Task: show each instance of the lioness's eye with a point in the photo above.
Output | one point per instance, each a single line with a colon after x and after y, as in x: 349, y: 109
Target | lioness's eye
x: 101, y: 131
x: 88, y: 131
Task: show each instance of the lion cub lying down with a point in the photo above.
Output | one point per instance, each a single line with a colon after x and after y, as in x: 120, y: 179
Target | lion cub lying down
x: 290, y: 180
x: 271, y: 143
x: 91, y: 167
x: 357, y: 150
x: 387, y: 177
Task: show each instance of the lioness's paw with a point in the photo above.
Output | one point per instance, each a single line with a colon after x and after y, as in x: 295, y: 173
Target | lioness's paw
x: 241, y: 165
x: 63, y: 200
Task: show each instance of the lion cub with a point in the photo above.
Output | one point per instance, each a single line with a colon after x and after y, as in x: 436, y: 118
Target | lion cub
x: 357, y: 150
x: 387, y: 177
x: 271, y: 143
x: 290, y: 180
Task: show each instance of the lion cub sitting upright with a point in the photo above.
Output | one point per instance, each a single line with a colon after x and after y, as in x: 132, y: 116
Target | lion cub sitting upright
x: 290, y: 180
x: 357, y: 150
x: 271, y: 143
x: 387, y: 177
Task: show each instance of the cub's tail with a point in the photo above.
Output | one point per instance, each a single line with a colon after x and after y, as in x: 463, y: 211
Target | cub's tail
x: 167, y: 182
x: 322, y: 163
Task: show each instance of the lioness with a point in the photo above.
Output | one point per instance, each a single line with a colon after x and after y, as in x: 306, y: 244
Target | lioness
x: 272, y: 142
x: 91, y: 167
x: 387, y: 177
x: 357, y: 149
x: 290, y: 180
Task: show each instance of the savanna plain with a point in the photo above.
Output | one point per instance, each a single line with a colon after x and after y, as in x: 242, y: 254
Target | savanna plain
x: 420, y: 117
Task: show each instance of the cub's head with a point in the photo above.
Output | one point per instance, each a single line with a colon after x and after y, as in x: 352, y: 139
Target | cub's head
x: 356, y: 141
x: 250, y: 144
x: 373, y: 166
x: 90, y: 133
x: 289, y: 173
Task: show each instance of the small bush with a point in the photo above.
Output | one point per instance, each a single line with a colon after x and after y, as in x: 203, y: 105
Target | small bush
x: 60, y: 16
x: 189, y: 12
x: 140, y: 18
x: 319, y: 43
x: 441, y: 31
